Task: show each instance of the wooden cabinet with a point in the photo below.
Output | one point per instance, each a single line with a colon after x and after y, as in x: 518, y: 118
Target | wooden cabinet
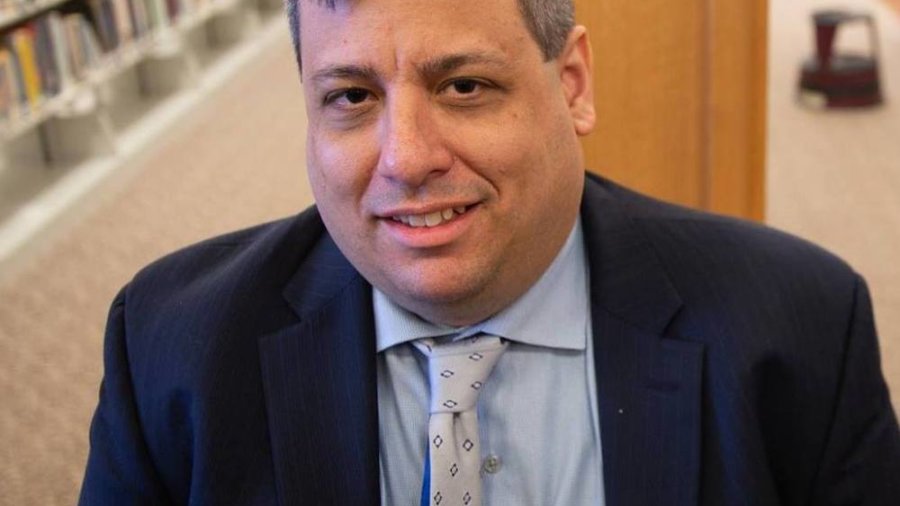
x: 680, y: 90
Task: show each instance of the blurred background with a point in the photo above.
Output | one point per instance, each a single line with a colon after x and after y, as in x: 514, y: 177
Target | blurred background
x: 129, y: 128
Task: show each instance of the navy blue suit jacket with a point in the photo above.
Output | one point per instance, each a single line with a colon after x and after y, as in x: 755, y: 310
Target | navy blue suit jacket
x: 735, y: 366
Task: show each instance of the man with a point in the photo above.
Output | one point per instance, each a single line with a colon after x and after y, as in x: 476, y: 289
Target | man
x: 640, y: 353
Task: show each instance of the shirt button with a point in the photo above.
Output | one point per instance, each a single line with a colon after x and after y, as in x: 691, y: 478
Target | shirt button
x: 492, y: 464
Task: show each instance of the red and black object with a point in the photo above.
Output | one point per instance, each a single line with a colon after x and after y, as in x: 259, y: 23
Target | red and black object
x: 843, y: 80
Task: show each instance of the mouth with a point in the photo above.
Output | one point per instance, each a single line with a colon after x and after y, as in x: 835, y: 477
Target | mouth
x: 432, y: 219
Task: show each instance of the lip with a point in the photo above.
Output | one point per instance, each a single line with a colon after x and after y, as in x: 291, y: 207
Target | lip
x: 410, y: 210
x: 429, y: 237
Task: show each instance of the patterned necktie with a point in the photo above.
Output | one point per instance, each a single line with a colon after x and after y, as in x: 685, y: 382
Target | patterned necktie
x: 456, y: 373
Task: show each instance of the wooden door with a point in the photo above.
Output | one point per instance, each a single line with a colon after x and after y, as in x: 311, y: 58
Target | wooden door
x: 680, y: 92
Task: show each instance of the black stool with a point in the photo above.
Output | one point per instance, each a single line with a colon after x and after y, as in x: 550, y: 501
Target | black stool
x: 840, y: 80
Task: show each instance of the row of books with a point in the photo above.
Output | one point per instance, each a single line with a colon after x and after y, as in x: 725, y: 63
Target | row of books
x: 121, y: 21
x: 41, y: 57
x: 38, y: 59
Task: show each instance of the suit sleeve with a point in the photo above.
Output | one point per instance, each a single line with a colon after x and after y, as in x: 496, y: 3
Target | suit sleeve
x: 119, y: 467
x: 861, y: 462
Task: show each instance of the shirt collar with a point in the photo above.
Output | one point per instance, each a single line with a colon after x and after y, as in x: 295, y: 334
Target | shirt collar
x: 552, y: 313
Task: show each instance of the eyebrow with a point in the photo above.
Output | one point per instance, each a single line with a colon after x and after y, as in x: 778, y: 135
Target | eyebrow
x: 448, y: 63
x: 428, y: 70
x: 364, y: 72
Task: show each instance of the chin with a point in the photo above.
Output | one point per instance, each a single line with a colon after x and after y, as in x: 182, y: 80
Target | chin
x: 430, y: 299
x: 430, y: 293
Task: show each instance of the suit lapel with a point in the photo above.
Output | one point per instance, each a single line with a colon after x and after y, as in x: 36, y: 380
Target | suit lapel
x: 320, y: 387
x: 649, y: 387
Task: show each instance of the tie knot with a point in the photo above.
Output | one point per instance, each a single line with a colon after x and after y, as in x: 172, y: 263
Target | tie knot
x: 457, y: 371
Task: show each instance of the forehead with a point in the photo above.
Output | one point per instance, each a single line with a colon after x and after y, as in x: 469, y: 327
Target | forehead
x: 409, y: 31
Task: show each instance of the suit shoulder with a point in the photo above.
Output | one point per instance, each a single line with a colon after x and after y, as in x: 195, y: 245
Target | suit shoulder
x: 720, y: 261
x: 734, y: 244
x: 218, y: 266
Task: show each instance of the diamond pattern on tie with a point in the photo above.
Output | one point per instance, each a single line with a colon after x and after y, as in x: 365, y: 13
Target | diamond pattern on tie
x: 457, y: 373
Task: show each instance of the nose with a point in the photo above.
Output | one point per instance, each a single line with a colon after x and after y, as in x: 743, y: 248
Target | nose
x: 413, y: 148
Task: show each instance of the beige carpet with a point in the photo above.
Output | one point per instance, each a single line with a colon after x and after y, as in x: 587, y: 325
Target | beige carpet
x: 239, y: 161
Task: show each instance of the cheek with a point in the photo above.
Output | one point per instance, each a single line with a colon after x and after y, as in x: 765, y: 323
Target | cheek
x: 339, y: 169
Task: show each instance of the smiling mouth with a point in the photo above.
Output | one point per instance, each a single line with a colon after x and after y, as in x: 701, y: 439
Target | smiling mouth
x: 432, y: 219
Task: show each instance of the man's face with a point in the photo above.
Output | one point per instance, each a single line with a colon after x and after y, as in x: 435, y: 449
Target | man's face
x: 442, y: 150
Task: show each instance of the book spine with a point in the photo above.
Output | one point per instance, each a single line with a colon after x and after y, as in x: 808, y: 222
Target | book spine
x: 23, y: 44
x: 93, y: 51
x: 8, y: 89
x: 159, y: 16
x: 107, y: 9
x: 138, y: 17
x: 103, y: 21
x: 172, y: 9
x: 61, y: 48
x: 46, y: 57
x: 122, y: 20
x: 20, y: 96
x: 72, y: 26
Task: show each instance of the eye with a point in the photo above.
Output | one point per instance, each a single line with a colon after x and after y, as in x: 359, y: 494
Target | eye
x: 465, y: 86
x: 467, y: 91
x: 347, y: 97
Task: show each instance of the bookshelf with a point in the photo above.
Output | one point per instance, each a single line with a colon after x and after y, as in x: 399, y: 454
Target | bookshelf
x: 50, y: 59
x: 95, y: 107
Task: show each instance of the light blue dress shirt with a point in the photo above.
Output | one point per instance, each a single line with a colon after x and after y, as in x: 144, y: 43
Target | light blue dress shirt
x: 540, y: 434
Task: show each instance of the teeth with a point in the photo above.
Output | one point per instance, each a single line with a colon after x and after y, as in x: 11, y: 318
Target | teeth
x: 431, y: 219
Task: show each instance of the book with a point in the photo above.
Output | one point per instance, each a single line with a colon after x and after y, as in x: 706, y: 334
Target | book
x: 45, y: 55
x: 84, y: 48
x: 76, y: 51
x: 139, y: 21
x: 157, y: 14
x: 173, y: 10
x: 61, y: 49
x: 23, y: 45
x: 19, y: 95
x: 122, y: 19
x: 105, y: 21
x: 8, y: 88
x: 93, y: 51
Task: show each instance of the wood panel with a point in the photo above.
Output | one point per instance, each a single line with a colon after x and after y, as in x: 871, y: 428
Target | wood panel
x: 737, y: 108
x: 680, y: 91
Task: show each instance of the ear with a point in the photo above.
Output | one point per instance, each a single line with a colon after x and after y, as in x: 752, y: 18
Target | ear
x: 575, y: 72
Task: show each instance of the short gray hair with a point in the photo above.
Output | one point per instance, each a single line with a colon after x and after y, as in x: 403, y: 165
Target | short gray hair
x: 549, y: 22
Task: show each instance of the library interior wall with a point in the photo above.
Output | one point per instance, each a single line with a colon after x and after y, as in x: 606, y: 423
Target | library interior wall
x: 681, y: 100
